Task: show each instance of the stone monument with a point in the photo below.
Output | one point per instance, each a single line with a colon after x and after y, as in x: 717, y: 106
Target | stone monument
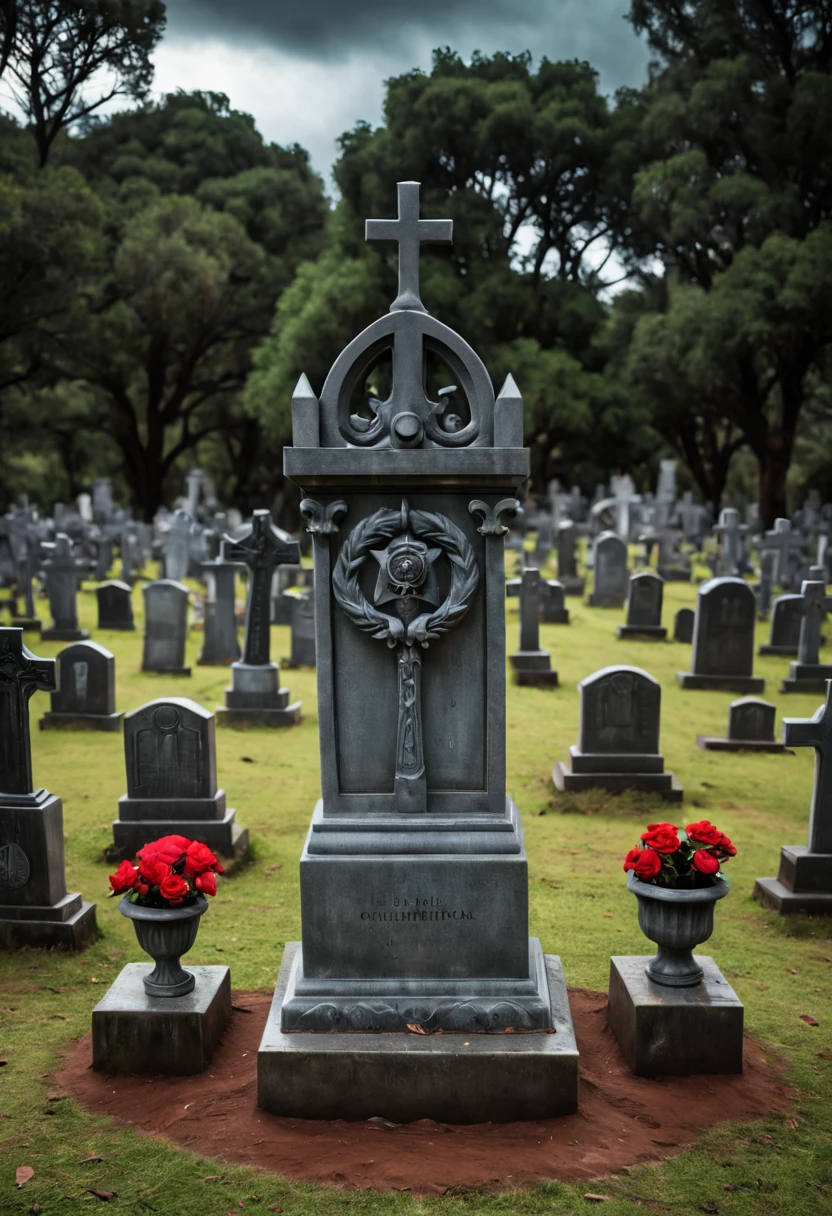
x: 723, y: 638
x: 255, y: 695
x: 35, y: 907
x: 165, y: 627
x: 750, y: 729
x: 170, y: 755
x: 220, y: 646
x: 786, y: 619
x: 683, y: 623
x: 532, y: 666
x: 303, y: 628
x: 644, y: 607
x: 610, y: 576
x: 618, y: 737
x: 807, y: 673
x: 86, y: 696
x: 804, y: 883
x: 178, y: 548
x: 414, y: 884
x: 115, y: 606
x: 63, y: 574
x: 568, y: 575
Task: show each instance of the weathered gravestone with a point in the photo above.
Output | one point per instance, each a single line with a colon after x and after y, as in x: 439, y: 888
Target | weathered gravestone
x: 303, y: 628
x: 723, y: 639
x: 86, y: 695
x: 35, y: 907
x: 63, y: 574
x: 683, y: 623
x: 787, y: 548
x: 786, y: 619
x: 165, y: 628
x: 610, y: 571
x: 220, y: 645
x: 178, y: 549
x: 170, y: 755
x: 807, y: 673
x: 731, y: 535
x: 27, y: 548
x: 414, y: 884
x: 255, y: 695
x: 543, y: 541
x: 553, y: 610
x: 804, y: 883
x: 115, y: 606
x: 764, y: 587
x: 618, y: 737
x: 531, y: 664
x: 568, y: 575
x: 644, y: 607
x: 283, y: 579
x: 750, y: 729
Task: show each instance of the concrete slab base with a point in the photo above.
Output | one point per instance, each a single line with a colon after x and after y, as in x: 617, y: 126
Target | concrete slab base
x: 666, y: 785
x: 747, y: 685
x: 454, y: 1078
x: 108, y: 722
x: 803, y: 684
x: 241, y: 719
x: 656, y: 633
x: 168, y: 671
x: 69, y: 925
x: 175, y: 1036
x: 535, y: 679
x: 224, y: 836
x: 29, y: 624
x: 674, y: 1031
x: 572, y: 585
x: 782, y: 652
x: 777, y: 897
x: 606, y: 601
x: 64, y: 635
x: 740, y: 745
x: 675, y: 574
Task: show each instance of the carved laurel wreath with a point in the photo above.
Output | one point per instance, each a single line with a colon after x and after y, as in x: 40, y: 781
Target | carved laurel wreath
x: 381, y: 527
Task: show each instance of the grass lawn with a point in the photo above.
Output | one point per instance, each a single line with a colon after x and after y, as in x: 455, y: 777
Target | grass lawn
x: 580, y: 909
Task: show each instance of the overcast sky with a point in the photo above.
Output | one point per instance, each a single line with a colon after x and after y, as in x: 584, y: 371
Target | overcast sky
x: 310, y: 69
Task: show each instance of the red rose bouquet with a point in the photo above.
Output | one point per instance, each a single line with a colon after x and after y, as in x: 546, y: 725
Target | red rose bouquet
x: 168, y: 873
x: 672, y: 857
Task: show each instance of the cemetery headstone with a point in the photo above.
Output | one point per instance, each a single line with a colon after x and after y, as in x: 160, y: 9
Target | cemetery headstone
x: 804, y: 883
x: 35, y: 907
x: 786, y: 618
x: 284, y: 578
x: 531, y: 664
x: 553, y: 610
x: 730, y: 532
x: 568, y: 576
x: 86, y: 695
x: 170, y: 755
x: 63, y: 574
x: 255, y: 695
x: 787, y: 547
x: 413, y: 877
x: 220, y: 645
x: 807, y: 673
x: 27, y: 551
x: 115, y: 606
x: 611, y: 578
x: 178, y: 551
x: 644, y: 607
x: 165, y: 627
x: 303, y: 628
x: 764, y: 587
x: 683, y: 623
x: 618, y: 737
x: 723, y: 639
x: 750, y: 729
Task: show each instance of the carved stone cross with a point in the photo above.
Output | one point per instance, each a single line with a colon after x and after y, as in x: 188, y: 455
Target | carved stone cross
x: 533, y: 588
x: 409, y: 231
x: 262, y: 550
x: 21, y: 674
x: 783, y: 543
x: 816, y: 732
x: 732, y: 532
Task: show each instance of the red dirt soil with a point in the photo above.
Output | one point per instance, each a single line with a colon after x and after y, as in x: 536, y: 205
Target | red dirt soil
x: 622, y: 1120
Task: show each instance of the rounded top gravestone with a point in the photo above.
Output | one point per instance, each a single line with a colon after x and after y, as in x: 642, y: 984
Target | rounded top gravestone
x: 620, y: 712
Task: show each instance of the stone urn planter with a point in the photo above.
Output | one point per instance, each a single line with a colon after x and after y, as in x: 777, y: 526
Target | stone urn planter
x: 677, y: 919
x: 166, y: 934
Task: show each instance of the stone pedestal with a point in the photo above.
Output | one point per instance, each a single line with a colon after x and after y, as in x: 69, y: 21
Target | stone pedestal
x: 584, y: 771
x: 804, y: 883
x: 572, y: 584
x: 465, y: 1077
x: 254, y: 697
x: 173, y: 1036
x: 748, y: 685
x: 533, y: 668
x: 29, y: 624
x: 64, y: 635
x: 108, y: 722
x: 674, y: 1031
x: 807, y: 677
x: 656, y: 633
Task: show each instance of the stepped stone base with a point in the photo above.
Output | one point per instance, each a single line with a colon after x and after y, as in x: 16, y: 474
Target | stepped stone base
x: 53, y: 721
x: 804, y: 883
x: 606, y: 601
x: 533, y: 669
x: 167, y: 671
x: 709, y: 744
x: 657, y: 633
x: 617, y: 779
x: 68, y: 925
x: 242, y: 718
x: 64, y: 635
x: 807, y: 677
x: 454, y: 1078
x: 747, y: 685
x: 224, y: 836
x: 29, y: 624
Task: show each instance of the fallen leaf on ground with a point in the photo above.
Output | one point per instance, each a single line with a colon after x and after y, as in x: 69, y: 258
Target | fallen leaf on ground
x: 380, y: 1121
x: 809, y: 1020
x: 275, y: 1209
x: 415, y: 1028
x: 90, y: 1159
x: 792, y: 970
x: 247, y: 759
x: 271, y: 869
x: 824, y: 1055
x: 104, y: 1196
x: 593, y: 1198
x: 23, y: 1173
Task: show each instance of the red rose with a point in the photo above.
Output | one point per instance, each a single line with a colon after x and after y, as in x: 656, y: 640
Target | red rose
x: 705, y: 861
x: 153, y: 871
x: 174, y: 888
x: 206, y: 883
x: 703, y: 832
x: 662, y: 837
x: 646, y: 862
x: 168, y: 849
x: 199, y: 858
x: 141, y: 888
x: 123, y: 878
x: 725, y: 846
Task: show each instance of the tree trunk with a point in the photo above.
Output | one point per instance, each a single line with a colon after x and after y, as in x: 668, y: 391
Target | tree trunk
x: 774, y: 461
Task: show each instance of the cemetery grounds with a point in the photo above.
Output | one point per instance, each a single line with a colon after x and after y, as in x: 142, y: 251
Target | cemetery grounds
x: 579, y: 907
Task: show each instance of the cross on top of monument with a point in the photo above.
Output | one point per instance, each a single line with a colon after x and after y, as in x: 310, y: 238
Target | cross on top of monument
x: 816, y: 732
x: 263, y: 548
x: 21, y: 674
x: 409, y: 231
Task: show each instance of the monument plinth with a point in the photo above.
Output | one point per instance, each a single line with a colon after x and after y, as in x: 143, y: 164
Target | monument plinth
x: 414, y: 883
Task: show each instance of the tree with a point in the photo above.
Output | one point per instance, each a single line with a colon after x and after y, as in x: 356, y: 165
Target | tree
x: 70, y: 57
x: 737, y: 192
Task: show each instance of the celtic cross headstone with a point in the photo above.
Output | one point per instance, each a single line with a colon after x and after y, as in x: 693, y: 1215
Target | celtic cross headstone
x: 63, y: 575
x: 807, y: 673
x: 414, y: 883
